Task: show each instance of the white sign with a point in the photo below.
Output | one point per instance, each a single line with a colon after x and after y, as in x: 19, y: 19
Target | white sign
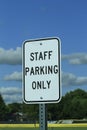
x: 41, y: 71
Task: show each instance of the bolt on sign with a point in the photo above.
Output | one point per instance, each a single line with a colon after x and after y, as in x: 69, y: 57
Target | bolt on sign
x: 42, y: 71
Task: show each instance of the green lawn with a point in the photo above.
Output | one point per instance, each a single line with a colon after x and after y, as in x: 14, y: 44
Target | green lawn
x: 67, y: 128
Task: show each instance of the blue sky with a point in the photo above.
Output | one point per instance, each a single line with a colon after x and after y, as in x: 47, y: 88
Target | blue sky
x: 30, y: 19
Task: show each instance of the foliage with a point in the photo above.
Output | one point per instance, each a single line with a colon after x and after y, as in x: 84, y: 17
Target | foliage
x: 3, y: 109
x: 31, y: 111
x: 72, y: 106
x: 15, y: 107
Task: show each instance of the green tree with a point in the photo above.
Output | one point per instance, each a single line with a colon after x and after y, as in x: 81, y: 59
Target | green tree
x: 31, y: 111
x: 72, y: 106
x: 14, y: 110
x: 15, y: 107
x: 3, y: 110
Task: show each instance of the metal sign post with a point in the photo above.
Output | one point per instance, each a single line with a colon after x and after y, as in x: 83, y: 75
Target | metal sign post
x: 42, y: 117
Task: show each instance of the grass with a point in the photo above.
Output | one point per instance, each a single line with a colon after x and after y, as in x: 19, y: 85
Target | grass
x: 62, y: 128
x: 50, y: 127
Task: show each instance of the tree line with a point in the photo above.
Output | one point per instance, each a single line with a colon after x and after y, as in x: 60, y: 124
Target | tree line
x: 73, y: 105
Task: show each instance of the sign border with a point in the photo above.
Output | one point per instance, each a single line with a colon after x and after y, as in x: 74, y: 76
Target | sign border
x: 59, y: 63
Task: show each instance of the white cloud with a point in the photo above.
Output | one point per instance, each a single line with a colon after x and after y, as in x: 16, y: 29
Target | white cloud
x: 16, y: 76
x: 10, y: 90
x: 76, y: 58
x: 69, y: 79
x: 14, y: 94
x: 11, y: 94
x: 12, y: 57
